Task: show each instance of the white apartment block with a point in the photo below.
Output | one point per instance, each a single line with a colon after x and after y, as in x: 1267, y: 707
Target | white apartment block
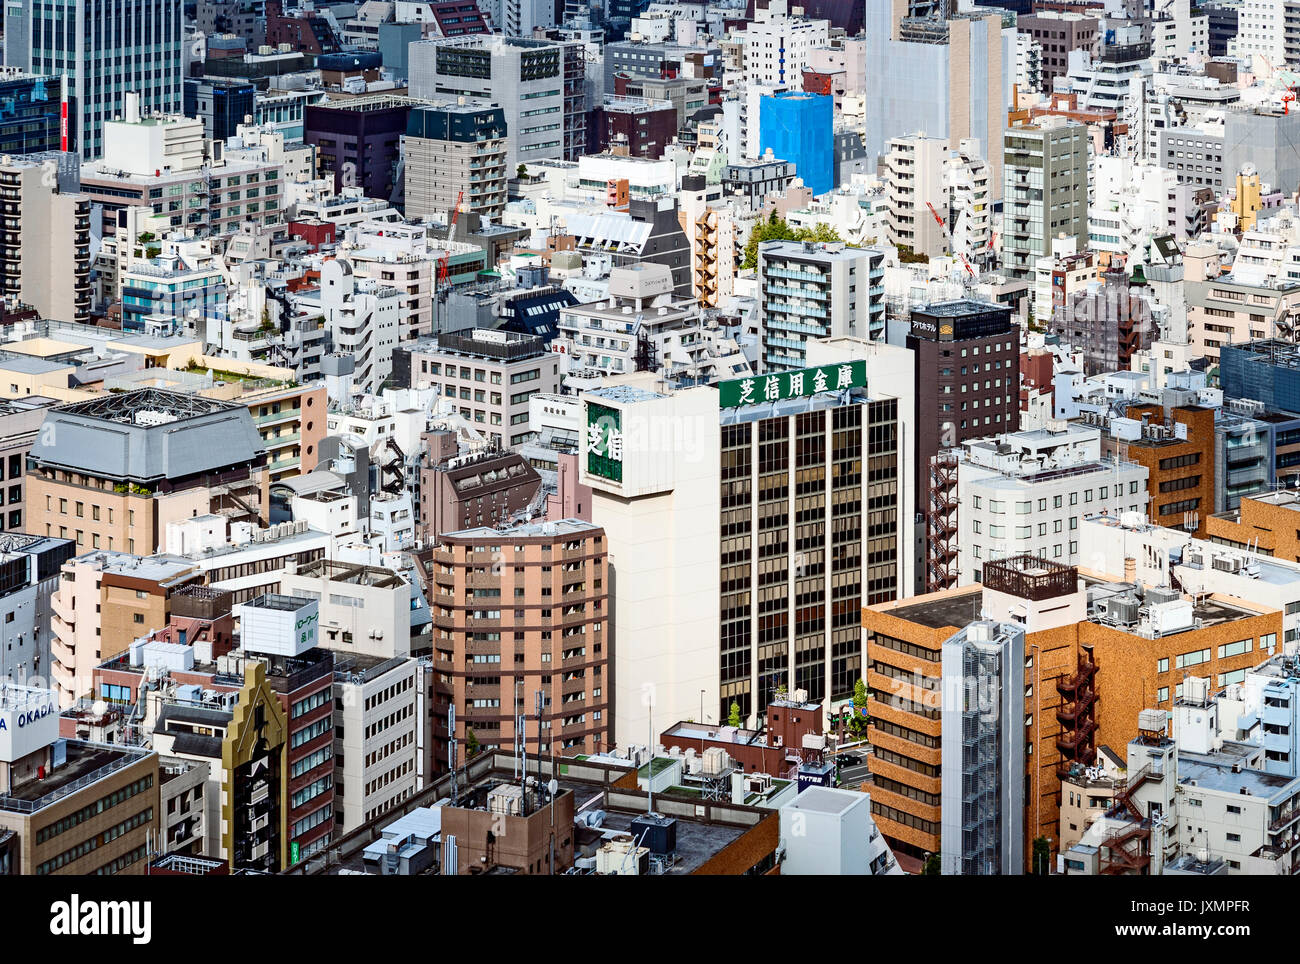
x: 1027, y: 492
x: 362, y: 318
x: 397, y: 256
x: 1261, y: 31
x: 778, y: 49
x: 1221, y: 813
x: 490, y: 375
x: 912, y: 172
x: 1107, y: 544
x: 644, y: 326
x: 364, y: 610
x: 375, y: 737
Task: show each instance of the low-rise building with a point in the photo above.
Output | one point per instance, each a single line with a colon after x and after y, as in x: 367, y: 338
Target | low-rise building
x: 70, y: 806
x: 490, y: 375
x: 1025, y: 492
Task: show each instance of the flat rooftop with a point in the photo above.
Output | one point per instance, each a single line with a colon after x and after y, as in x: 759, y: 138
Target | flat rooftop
x: 1200, y: 771
x: 940, y: 611
x: 85, y: 761
x: 697, y: 842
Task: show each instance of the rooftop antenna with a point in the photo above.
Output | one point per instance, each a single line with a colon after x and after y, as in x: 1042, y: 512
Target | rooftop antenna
x: 650, y: 762
x: 451, y: 748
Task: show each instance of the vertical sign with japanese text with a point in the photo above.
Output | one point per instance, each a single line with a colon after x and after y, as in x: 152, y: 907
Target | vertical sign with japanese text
x: 604, y: 442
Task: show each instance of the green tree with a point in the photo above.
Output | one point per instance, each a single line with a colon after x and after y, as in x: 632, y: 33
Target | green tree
x: 907, y: 256
x: 773, y: 229
x: 471, y: 744
x: 733, y: 718
x: 822, y: 233
x: 776, y: 229
x: 1042, y: 856
x: 858, y: 724
x: 521, y: 171
x: 932, y: 866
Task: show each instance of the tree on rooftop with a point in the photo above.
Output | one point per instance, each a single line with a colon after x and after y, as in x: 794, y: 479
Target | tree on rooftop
x: 733, y: 718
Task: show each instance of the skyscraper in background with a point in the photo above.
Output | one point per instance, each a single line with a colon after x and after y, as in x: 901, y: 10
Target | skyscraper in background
x: 107, y: 49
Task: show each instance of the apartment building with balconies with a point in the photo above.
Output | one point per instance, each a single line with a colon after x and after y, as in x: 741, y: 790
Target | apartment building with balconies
x: 44, y: 240
x: 521, y: 618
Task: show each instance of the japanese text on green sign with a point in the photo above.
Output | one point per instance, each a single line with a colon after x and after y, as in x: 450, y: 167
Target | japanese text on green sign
x: 796, y: 384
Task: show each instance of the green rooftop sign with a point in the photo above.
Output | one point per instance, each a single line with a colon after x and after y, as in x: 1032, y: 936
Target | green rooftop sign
x: 806, y: 381
x: 604, y: 442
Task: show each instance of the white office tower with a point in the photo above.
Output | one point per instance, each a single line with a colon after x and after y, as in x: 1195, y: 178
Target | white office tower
x: 983, y: 750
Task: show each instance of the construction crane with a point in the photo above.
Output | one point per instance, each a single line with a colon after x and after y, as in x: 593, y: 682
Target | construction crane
x: 445, y: 260
x: 951, y: 244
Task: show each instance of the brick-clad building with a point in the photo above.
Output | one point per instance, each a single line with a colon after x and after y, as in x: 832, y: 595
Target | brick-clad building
x: 1179, y: 452
x: 528, y: 604
x: 1269, y: 523
x: 1097, y: 652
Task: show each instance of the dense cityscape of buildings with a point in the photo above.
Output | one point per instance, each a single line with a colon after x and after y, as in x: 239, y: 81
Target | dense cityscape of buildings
x: 651, y: 437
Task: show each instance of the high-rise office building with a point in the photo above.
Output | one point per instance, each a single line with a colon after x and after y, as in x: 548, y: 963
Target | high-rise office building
x: 1044, y: 191
x: 809, y: 291
x: 107, y: 50
x: 967, y: 370
x: 983, y: 750
x: 747, y: 522
x: 532, y: 81
x: 931, y: 69
x: 31, y: 120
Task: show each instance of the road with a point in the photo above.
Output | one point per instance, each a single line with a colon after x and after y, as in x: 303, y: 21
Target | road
x: 854, y: 775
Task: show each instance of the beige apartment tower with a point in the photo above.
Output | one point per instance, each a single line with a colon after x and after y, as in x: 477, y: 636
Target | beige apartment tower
x: 44, y: 241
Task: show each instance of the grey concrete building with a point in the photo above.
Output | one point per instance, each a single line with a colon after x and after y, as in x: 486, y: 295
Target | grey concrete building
x: 809, y: 290
x: 456, y: 151
x: 1044, y: 192
x: 1267, y: 140
x: 1195, y: 156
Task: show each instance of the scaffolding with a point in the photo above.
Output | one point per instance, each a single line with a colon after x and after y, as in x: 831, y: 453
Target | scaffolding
x: 981, y: 772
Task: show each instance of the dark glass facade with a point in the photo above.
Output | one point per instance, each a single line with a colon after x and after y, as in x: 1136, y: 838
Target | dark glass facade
x: 791, y: 589
x: 29, y: 115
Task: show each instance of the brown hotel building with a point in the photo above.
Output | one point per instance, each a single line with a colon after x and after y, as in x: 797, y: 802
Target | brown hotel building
x: 1088, y: 673
x: 528, y: 604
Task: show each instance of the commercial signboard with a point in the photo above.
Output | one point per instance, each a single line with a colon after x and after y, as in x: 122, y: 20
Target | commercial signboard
x: 29, y: 720
x: 796, y: 384
x: 604, y: 442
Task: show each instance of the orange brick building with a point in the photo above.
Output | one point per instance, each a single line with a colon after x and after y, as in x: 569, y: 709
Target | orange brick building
x: 1267, y: 523
x: 1089, y: 670
x: 1179, y: 454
